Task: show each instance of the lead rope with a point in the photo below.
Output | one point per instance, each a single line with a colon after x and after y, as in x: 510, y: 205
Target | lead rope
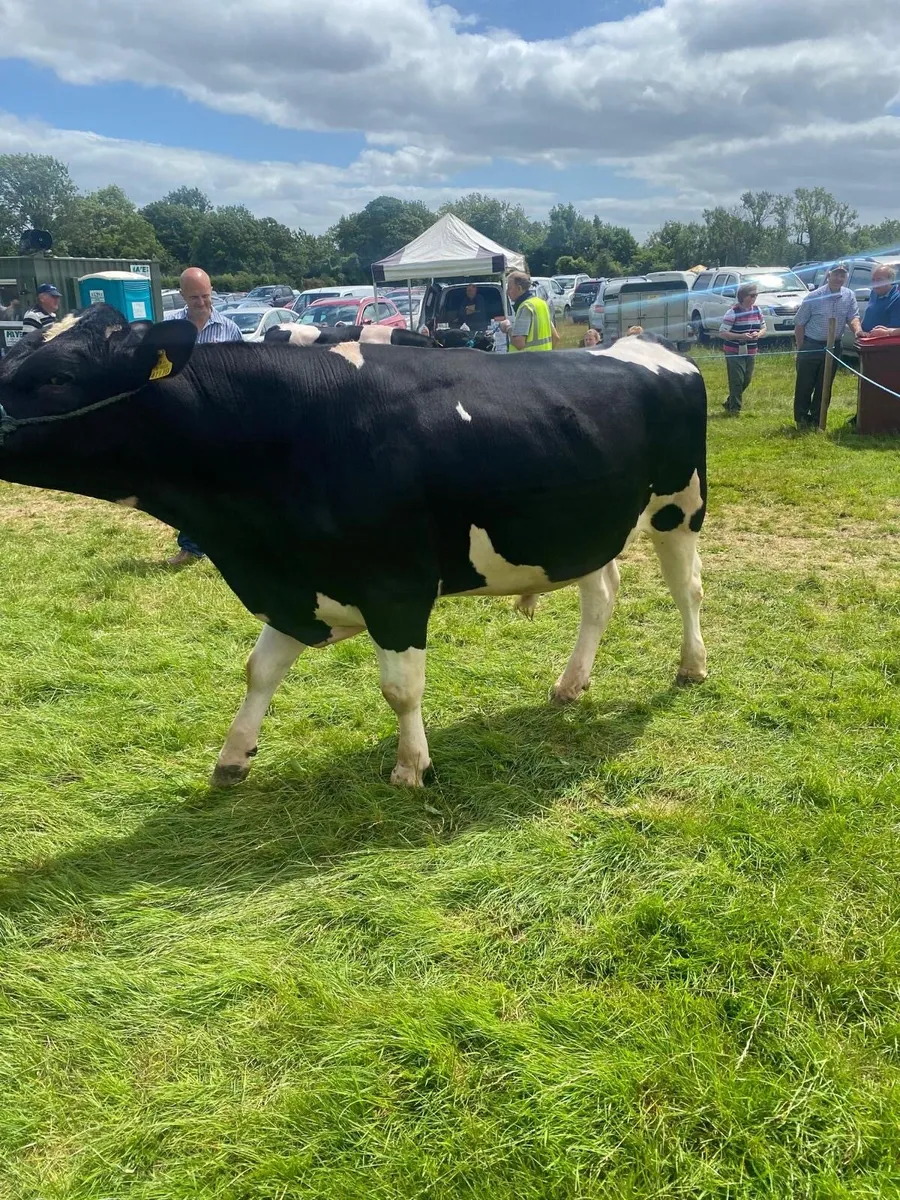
x: 10, y: 424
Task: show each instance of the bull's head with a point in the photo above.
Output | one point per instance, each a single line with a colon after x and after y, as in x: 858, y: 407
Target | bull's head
x: 56, y: 372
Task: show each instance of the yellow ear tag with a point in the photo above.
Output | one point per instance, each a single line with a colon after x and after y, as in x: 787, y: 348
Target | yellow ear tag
x: 163, y: 367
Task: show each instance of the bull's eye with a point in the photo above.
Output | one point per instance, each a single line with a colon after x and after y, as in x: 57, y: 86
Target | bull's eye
x: 60, y: 380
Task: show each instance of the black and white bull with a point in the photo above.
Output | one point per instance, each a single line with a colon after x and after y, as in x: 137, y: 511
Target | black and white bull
x: 350, y: 489
x: 327, y: 335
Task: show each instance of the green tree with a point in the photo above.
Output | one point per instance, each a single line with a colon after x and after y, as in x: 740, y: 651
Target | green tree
x: 505, y: 223
x: 231, y: 239
x: 675, y: 246
x: 727, y: 237
x: 36, y: 192
x: 106, y: 224
x: 384, y: 225
x: 188, y: 197
x: 823, y: 224
x: 884, y: 236
x: 177, y: 227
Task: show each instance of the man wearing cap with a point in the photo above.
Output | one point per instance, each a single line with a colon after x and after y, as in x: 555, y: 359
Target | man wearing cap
x: 45, y: 309
x: 832, y: 299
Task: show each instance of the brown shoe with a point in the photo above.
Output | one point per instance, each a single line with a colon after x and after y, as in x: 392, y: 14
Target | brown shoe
x: 182, y: 559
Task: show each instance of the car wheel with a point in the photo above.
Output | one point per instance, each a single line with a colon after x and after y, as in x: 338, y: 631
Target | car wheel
x: 566, y: 313
x: 699, y: 332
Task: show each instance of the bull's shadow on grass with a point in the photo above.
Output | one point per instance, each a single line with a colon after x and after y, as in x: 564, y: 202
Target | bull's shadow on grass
x: 288, y: 821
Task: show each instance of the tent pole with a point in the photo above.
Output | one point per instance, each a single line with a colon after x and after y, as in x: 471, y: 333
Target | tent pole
x: 409, y: 297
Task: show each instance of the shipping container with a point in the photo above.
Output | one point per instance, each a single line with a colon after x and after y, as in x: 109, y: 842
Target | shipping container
x: 21, y: 276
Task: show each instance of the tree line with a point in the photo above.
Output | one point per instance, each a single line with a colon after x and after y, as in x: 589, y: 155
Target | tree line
x: 239, y: 249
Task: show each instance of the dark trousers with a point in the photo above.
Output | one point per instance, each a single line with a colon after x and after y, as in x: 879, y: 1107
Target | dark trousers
x: 185, y: 542
x: 808, y: 387
x: 740, y: 372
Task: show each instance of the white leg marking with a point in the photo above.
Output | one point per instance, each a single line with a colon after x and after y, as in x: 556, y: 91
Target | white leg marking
x: 598, y: 596
x: 271, y: 659
x: 503, y: 578
x: 651, y: 355
x: 680, y: 563
x: 403, y: 686
x: 350, y: 351
x: 462, y: 412
x: 688, y: 500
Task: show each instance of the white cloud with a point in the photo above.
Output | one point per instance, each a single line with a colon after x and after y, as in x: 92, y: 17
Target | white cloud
x: 700, y: 97
x: 307, y: 195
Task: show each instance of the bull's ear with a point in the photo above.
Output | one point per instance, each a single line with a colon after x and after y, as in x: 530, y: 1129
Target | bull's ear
x: 164, y: 350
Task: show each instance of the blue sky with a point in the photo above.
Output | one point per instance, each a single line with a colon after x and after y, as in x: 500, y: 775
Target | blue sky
x: 635, y: 110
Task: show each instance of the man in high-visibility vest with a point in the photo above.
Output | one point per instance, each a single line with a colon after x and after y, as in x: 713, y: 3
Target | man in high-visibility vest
x: 533, y: 327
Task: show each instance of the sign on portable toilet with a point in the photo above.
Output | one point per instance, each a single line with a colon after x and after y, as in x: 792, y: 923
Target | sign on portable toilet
x: 127, y: 291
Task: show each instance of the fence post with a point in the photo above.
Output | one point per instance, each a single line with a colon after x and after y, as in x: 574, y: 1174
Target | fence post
x: 828, y: 377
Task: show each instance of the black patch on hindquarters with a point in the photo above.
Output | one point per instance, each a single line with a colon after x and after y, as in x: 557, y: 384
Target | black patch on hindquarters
x: 669, y: 517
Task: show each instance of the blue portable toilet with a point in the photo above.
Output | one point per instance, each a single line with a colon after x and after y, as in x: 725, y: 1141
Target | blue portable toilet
x: 127, y: 292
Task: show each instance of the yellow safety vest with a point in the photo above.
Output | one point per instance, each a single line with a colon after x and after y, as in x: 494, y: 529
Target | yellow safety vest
x: 540, y: 335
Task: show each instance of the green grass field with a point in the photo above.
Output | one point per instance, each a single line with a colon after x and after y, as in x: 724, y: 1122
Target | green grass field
x: 648, y: 946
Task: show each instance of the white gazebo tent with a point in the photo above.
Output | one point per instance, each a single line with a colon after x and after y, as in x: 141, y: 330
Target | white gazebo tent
x: 448, y: 247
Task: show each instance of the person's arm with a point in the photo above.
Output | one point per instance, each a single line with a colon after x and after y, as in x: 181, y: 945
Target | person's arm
x: 554, y: 334
x: 799, y: 334
x: 520, y: 328
x: 800, y: 322
x: 853, y: 319
x: 29, y: 322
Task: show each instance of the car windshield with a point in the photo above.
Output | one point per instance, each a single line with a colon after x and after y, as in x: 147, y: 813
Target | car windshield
x: 246, y: 321
x: 782, y: 281
x: 565, y: 280
x: 587, y: 289
x: 331, y: 314
x: 260, y: 292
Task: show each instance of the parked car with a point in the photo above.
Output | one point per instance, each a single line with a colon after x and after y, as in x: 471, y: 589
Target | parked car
x: 253, y: 321
x: 559, y: 300
x: 271, y: 293
x: 584, y: 295
x: 352, y: 310
x: 715, y: 291
x: 172, y: 299
x: 442, y: 302
x: 610, y: 287
x: 308, y: 297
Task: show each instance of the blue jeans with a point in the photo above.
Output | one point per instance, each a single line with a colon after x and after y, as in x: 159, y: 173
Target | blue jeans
x: 187, y: 543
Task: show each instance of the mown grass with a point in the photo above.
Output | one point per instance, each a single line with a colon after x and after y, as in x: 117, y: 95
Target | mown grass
x: 646, y: 947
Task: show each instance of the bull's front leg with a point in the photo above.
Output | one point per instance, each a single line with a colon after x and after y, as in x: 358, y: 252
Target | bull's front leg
x: 271, y: 659
x: 403, y: 686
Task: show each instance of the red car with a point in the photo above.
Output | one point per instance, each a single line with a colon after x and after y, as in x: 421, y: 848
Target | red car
x: 348, y: 310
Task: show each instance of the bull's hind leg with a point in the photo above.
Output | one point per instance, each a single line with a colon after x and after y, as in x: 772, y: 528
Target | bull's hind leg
x: 403, y: 686
x: 271, y: 659
x: 680, y: 563
x: 598, y: 596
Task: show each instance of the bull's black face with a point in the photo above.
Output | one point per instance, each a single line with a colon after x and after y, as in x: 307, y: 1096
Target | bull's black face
x: 90, y: 358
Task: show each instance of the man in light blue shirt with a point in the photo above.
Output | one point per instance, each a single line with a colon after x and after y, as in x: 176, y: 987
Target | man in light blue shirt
x: 833, y: 299
x: 196, y: 288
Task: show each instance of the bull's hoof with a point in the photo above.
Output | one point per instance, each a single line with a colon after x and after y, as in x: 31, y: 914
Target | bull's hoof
x: 686, y: 678
x: 227, y: 775
x: 527, y: 606
x: 566, y: 693
x: 403, y: 776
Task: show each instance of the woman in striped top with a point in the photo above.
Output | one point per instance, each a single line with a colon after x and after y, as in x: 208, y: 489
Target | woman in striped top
x: 742, y: 327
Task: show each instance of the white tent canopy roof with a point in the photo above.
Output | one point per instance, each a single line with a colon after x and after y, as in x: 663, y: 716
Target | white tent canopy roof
x: 448, y: 247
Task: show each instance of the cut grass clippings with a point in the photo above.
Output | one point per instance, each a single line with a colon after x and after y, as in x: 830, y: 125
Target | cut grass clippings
x: 648, y: 946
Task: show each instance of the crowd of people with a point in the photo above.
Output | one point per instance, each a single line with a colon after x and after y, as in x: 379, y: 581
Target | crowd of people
x: 744, y: 325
